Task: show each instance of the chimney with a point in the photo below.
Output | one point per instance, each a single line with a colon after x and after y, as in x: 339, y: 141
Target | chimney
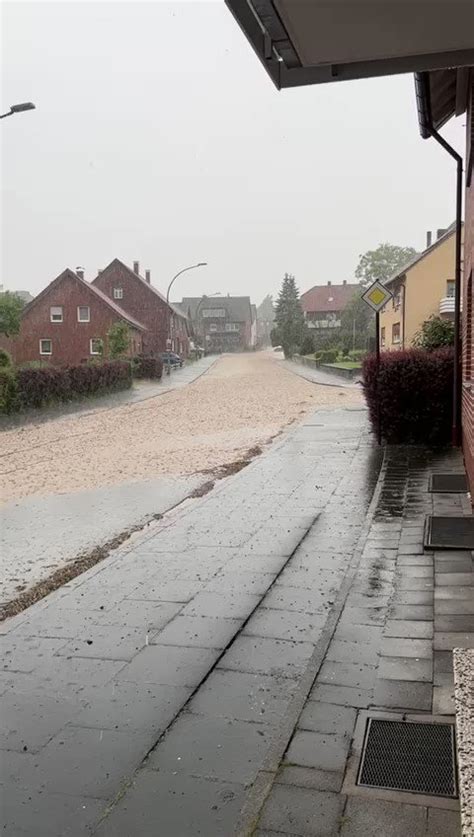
x: 344, y: 281
x: 136, y: 267
x: 148, y: 276
x: 440, y: 232
x: 80, y: 272
x: 329, y: 283
x: 428, y: 238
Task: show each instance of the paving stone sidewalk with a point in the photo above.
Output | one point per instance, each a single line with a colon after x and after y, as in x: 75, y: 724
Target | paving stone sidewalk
x: 95, y: 674
x: 207, y: 681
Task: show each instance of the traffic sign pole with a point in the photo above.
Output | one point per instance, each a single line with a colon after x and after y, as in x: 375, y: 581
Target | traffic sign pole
x: 377, y: 366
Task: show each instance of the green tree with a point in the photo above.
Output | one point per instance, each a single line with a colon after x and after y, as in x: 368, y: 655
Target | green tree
x: 357, y: 323
x: 266, y: 309
x: 382, y: 263
x: 118, y: 339
x: 434, y: 334
x: 289, y: 319
x: 10, y: 313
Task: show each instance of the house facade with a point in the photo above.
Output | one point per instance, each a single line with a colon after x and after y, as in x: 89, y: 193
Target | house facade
x: 323, y: 305
x: 68, y: 323
x: 166, y: 325
x: 223, y: 323
x: 422, y: 289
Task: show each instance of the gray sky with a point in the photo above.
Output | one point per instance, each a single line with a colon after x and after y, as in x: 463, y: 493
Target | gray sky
x: 159, y: 137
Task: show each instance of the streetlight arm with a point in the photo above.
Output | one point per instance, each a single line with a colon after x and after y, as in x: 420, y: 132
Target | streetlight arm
x: 18, y: 109
x: 191, y: 267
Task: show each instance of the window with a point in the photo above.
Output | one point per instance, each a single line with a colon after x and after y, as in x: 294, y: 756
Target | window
x: 118, y: 293
x: 83, y: 314
x: 232, y: 326
x: 397, y: 299
x: 96, y: 346
x: 213, y: 327
x: 56, y: 313
x: 396, y: 333
x: 450, y: 288
x: 46, y: 347
x: 213, y: 312
x: 382, y: 336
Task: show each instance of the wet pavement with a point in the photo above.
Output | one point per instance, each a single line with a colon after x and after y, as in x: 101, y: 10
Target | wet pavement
x: 41, y: 534
x: 317, y: 376
x: 95, y: 673
x: 207, y: 679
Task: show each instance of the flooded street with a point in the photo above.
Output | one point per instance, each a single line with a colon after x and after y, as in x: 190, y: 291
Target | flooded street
x: 76, y: 482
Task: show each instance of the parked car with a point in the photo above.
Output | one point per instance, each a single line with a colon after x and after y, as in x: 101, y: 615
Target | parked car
x: 171, y: 359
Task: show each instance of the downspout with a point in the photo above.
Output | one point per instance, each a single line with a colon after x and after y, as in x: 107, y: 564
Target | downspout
x: 428, y: 129
x: 404, y: 289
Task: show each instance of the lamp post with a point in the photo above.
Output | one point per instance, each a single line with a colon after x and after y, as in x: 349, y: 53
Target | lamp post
x: 18, y: 109
x: 191, y: 267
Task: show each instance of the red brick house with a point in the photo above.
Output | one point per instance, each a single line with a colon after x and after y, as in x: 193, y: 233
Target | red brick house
x: 323, y: 305
x: 67, y: 323
x: 221, y: 323
x: 137, y: 295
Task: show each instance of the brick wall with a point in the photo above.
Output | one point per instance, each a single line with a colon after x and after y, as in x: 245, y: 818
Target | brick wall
x: 140, y: 301
x: 468, y: 312
x: 70, y: 339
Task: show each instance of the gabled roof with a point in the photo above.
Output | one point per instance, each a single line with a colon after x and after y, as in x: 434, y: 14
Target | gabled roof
x: 237, y: 307
x: 69, y: 274
x: 326, y: 298
x: 450, y: 231
x: 147, y: 285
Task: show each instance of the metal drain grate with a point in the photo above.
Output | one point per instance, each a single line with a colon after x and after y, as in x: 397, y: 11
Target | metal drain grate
x: 448, y: 483
x: 408, y: 756
x: 449, y: 532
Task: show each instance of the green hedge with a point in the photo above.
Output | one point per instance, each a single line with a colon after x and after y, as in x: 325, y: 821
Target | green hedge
x: 37, y: 387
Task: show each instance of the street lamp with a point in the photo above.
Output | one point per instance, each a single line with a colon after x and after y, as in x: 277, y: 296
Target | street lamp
x: 18, y: 109
x: 191, y: 267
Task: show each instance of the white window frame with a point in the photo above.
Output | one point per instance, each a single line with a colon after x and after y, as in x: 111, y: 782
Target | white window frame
x: 52, y: 317
x: 397, y: 340
x: 79, y: 318
x: 213, y: 327
x: 46, y: 340
x: 118, y: 293
x: 91, y: 341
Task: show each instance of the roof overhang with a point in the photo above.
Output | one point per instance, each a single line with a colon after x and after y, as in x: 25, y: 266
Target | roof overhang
x: 302, y: 42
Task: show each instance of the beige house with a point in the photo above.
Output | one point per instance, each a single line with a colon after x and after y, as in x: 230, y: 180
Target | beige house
x: 423, y: 288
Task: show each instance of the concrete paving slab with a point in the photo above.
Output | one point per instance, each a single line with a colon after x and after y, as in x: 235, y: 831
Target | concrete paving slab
x: 169, y: 666
x: 212, y: 748
x: 28, y: 720
x: 132, y: 707
x: 319, y: 750
x: 308, y: 777
x: 403, y: 694
x: 243, y: 696
x: 328, y: 718
x: 303, y: 812
x: 372, y: 818
x: 198, y: 631
x: 26, y: 812
x: 285, y: 624
x: 162, y: 803
x: 267, y: 656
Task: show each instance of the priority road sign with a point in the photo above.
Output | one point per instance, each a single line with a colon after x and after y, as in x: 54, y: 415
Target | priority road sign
x: 376, y: 296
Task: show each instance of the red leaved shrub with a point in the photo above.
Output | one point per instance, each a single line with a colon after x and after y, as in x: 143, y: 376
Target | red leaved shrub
x: 145, y: 366
x: 412, y: 395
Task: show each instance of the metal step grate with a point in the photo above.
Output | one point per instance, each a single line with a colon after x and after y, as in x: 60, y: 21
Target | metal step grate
x: 449, y: 532
x: 448, y: 483
x: 409, y: 756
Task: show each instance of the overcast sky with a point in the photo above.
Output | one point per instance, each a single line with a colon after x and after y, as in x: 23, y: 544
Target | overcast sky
x: 158, y: 136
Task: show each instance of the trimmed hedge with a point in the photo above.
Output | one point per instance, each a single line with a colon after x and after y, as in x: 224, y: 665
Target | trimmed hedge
x: 147, y: 367
x: 412, y: 397
x: 36, y: 387
x: 326, y: 356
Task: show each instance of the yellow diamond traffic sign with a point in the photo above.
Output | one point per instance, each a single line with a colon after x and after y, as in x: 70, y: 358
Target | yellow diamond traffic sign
x: 376, y: 296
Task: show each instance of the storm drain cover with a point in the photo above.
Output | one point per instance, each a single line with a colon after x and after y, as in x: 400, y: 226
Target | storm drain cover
x: 449, y: 532
x: 409, y: 756
x: 448, y: 483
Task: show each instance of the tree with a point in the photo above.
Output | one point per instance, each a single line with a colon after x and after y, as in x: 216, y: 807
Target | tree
x: 382, y: 263
x: 289, y: 319
x: 119, y: 339
x: 266, y: 310
x: 434, y: 333
x: 357, y: 323
x: 10, y: 313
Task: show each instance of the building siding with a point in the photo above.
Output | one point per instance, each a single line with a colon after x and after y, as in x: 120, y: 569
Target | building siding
x: 70, y: 338
x: 468, y: 326
x: 141, y: 302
